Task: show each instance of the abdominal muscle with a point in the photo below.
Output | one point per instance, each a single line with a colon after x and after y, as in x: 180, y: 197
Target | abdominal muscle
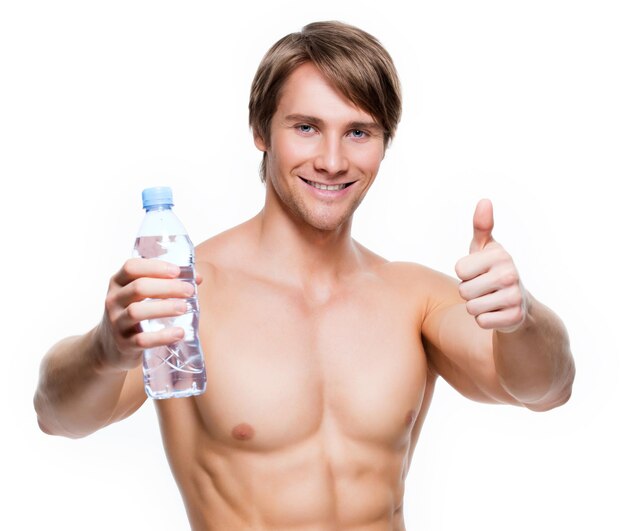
x: 311, y: 412
x: 325, y: 481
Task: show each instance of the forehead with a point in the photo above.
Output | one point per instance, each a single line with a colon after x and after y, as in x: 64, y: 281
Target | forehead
x: 307, y: 92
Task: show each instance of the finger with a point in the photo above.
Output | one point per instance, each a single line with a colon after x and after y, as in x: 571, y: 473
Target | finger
x: 154, y: 288
x: 483, y: 225
x: 135, y: 268
x: 496, y: 301
x: 167, y: 336
x: 155, y: 309
x: 507, y: 320
x: 476, y: 264
x: 480, y: 285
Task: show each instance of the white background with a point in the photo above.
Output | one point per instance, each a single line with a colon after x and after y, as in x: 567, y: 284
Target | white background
x: 521, y: 102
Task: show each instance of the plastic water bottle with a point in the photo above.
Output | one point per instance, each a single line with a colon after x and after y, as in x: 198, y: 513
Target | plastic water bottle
x: 175, y: 370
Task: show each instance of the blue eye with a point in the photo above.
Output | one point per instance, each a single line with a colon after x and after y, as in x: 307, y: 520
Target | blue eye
x: 305, y: 128
x: 358, y: 133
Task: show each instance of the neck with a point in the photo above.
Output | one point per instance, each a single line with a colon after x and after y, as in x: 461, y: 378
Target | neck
x: 299, y: 254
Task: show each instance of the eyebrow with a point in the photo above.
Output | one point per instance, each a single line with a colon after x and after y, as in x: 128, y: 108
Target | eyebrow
x: 318, y: 121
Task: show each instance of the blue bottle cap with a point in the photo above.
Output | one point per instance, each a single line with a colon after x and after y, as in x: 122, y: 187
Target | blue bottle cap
x: 158, y: 195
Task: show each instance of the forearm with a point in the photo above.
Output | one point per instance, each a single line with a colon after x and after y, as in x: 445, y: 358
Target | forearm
x: 74, y: 396
x: 534, y: 363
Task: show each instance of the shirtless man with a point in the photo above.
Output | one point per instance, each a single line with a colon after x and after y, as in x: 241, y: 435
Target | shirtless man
x: 321, y: 356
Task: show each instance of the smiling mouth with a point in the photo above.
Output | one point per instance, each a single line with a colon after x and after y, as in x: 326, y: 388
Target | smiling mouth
x: 332, y: 188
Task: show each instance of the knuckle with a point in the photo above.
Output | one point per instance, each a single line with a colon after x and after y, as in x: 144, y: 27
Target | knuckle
x: 463, y: 291
x: 109, y: 302
x: 471, y: 308
x: 510, y: 278
x: 140, y: 341
x: 130, y: 266
x: 518, y: 314
x: 515, y: 299
x: 133, y: 311
x: 138, y: 286
x: 459, y: 268
x: 482, y: 321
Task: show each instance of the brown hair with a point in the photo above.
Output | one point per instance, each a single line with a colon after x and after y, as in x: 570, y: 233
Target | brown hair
x: 353, y: 61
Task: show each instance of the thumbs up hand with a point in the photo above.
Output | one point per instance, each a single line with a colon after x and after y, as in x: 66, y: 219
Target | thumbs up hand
x: 490, y: 282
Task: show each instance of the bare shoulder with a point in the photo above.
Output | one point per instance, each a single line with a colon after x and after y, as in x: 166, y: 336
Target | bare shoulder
x: 226, y: 250
x: 412, y: 275
x: 429, y: 288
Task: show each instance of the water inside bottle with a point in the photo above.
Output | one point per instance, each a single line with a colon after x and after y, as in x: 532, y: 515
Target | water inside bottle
x: 175, y: 370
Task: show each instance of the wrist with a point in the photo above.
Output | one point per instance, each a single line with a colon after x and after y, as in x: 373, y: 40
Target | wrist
x: 102, y: 350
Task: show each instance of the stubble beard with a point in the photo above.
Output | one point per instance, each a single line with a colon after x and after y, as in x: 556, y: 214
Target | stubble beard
x: 325, y: 221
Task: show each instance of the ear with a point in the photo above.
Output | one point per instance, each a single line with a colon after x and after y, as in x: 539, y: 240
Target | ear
x: 259, y: 142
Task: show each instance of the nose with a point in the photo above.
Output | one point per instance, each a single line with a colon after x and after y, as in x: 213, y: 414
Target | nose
x: 331, y: 157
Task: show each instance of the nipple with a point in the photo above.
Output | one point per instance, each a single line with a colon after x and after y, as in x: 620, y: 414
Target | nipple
x: 243, y: 432
x: 410, y: 417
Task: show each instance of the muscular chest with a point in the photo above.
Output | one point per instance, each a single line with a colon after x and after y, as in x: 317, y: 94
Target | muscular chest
x: 280, y: 368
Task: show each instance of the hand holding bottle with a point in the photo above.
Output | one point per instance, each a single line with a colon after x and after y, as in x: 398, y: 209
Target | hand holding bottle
x: 126, y: 306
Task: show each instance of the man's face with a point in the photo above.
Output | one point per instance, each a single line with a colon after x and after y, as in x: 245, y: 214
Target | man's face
x: 319, y: 136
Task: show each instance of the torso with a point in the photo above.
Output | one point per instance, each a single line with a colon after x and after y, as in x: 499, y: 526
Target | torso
x: 312, y: 408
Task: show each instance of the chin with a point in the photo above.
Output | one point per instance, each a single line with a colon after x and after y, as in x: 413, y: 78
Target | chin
x: 326, y: 226
x: 326, y: 223
x: 325, y: 218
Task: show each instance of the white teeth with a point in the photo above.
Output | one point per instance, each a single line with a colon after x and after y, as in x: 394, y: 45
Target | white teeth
x: 325, y: 187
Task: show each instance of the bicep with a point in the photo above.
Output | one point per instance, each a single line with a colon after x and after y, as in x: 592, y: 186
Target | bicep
x: 457, y: 348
